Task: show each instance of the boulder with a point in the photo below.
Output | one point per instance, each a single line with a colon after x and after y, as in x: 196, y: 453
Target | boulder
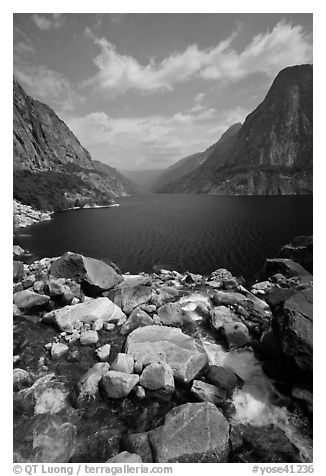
x: 268, y: 444
x: 285, y: 266
x: 88, y: 384
x: 129, y: 296
x: 94, y: 275
x: 294, y: 322
x: 125, y: 457
x: 153, y: 344
x: 138, y: 443
x: 123, y: 363
x: 157, y: 377
x: 138, y: 318
x: 236, y: 334
x: 299, y: 250
x: 223, y: 378
x: 103, y: 353
x: 18, y: 271
x: 171, y: 314
x: 94, y: 312
x: 192, y: 433
x: 205, y: 392
x: 118, y: 384
x: 89, y: 337
x: 220, y: 315
x: 27, y: 299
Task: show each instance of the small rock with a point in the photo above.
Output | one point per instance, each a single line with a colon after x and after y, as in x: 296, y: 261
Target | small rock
x: 138, y: 318
x: 125, y: 457
x: 123, y: 363
x: 118, y: 384
x: 221, y: 315
x: 88, y: 337
x: 222, y: 378
x: 236, y: 334
x: 21, y: 379
x: 103, y: 353
x: 88, y: 384
x: 108, y: 326
x: 28, y: 282
x: 157, y: 377
x: 171, y: 314
x: 58, y: 350
x: 138, y: 443
x: 140, y: 392
x: 18, y: 271
x: 38, y: 286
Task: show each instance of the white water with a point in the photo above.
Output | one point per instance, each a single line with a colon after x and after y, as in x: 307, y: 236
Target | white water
x: 254, y: 402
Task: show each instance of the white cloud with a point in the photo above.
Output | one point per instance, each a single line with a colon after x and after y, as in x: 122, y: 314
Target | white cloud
x: 151, y: 142
x: 47, y: 85
x: 267, y: 53
x: 54, y: 20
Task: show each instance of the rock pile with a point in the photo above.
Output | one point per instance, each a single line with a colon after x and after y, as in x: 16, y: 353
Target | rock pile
x: 124, y: 359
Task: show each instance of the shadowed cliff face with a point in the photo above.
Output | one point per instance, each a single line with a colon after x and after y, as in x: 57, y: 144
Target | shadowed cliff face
x: 271, y: 153
x: 41, y: 140
x: 52, y: 171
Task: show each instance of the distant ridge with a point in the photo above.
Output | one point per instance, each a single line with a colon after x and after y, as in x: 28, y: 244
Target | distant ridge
x: 52, y: 170
x: 270, y: 154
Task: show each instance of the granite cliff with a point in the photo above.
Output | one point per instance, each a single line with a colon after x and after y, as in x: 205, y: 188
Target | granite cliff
x: 270, y: 154
x: 52, y: 170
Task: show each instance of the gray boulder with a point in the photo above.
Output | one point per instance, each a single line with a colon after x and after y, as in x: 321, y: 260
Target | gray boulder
x: 123, y: 363
x: 205, y: 392
x: 157, y: 377
x: 285, y: 266
x: 236, y: 334
x: 138, y: 318
x: 223, y: 378
x: 27, y: 299
x: 95, y: 275
x: 128, y: 296
x: 94, y: 312
x: 118, y: 384
x: 171, y: 314
x: 153, y: 344
x: 295, y: 329
x: 88, y: 384
x: 192, y: 433
x: 221, y: 315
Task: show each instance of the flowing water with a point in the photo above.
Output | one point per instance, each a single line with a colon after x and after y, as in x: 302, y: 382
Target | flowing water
x: 257, y: 402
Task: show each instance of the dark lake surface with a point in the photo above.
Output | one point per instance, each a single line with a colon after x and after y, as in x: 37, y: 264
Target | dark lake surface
x: 198, y: 233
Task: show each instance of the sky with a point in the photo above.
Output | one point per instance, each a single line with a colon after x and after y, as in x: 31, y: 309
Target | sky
x: 141, y: 91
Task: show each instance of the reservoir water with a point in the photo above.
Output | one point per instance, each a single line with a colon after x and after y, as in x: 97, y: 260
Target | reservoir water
x: 198, y: 233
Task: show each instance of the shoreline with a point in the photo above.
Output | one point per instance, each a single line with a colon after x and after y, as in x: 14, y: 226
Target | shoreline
x: 26, y: 215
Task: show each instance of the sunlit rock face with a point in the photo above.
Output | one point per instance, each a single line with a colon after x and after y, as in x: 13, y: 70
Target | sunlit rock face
x: 270, y: 154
